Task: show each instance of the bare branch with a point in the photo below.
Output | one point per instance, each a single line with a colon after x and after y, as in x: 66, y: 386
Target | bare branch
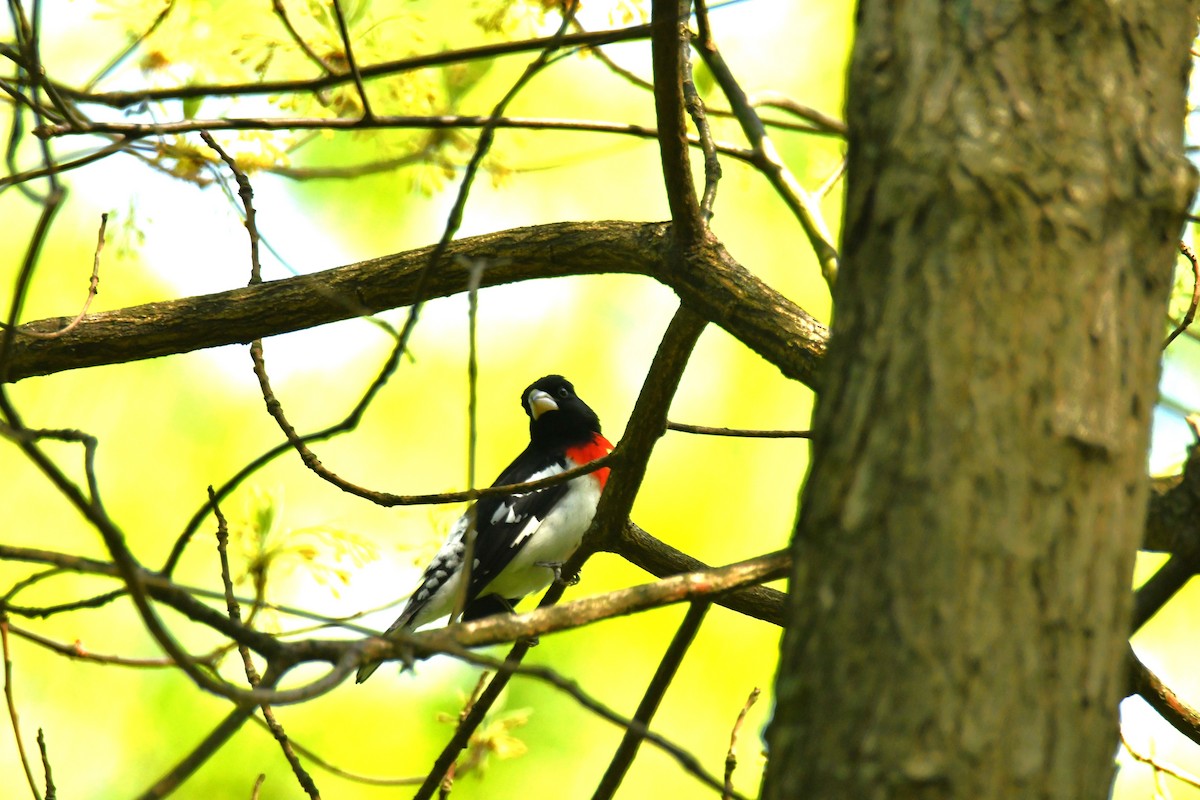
x: 93, y: 288
x: 474, y: 717
x: 1190, y: 315
x: 344, y: 32
x: 452, y: 773
x: 694, y: 586
x: 174, y: 777
x: 663, y: 676
x: 369, y: 780
x: 281, y: 12
x: 13, y: 716
x: 8, y: 335
x: 488, y: 51
x: 696, y: 110
x: 133, y: 131
x: 1170, y: 706
x: 76, y: 650
x: 662, y: 560
x: 731, y: 755
x: 685, y: 759
x: 668, y: 17
x: 820, y: 119
x: 51, y: 791
x: 252, y: 676
x: 1158, y: 766
x: 17, y: 178
x: 719, y: 289
x: 767, y: 158
x: 704, y: 430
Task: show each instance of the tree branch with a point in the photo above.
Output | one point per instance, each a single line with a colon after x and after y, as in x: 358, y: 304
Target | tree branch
x: 702, y: 585
x: 663, y: 677
x: 1144, y: 683
x: 718, y: 288
x: 371, y: 71
x: 662, y: 560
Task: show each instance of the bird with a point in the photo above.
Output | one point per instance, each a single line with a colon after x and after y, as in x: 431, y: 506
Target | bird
x: 521, y: 539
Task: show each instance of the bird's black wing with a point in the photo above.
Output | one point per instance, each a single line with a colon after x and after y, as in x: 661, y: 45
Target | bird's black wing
x: 504, y: 524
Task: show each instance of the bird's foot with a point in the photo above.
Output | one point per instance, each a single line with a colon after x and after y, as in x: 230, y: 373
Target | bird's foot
x: 556, y: 568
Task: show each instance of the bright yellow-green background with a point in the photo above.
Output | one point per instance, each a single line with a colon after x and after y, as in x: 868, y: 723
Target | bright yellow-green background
x: 170, y: 427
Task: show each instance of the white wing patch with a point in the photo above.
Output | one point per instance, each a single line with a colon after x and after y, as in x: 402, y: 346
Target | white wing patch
x: 549, y: 539
x: 530, y: 528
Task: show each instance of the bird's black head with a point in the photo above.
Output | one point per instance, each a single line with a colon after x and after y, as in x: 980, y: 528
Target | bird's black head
x: 556, y: 414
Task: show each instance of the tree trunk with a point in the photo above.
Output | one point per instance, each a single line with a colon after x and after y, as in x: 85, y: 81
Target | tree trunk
x: 963, y: 554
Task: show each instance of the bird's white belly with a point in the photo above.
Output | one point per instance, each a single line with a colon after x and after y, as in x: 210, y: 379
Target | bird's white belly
x: 554, y: 541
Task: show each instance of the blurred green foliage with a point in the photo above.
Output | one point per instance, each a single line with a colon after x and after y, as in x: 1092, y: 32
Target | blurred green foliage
x: 170, y: 427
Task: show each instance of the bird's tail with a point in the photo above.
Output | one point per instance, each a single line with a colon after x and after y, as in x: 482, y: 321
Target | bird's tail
x: 403, y: 623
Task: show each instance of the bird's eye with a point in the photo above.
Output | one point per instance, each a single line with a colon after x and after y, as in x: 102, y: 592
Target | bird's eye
x: 563, y: 393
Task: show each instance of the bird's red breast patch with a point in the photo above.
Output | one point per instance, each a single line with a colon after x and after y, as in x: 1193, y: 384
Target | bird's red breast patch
x: 598, y: 447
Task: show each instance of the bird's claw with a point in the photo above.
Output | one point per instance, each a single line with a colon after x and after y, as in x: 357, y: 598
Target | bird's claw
x: 556, y: 568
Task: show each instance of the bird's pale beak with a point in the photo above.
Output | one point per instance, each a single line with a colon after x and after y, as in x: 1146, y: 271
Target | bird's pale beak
x: 540, y: 402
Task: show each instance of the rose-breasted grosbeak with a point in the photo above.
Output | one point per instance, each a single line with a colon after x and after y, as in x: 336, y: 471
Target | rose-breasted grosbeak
x: 520, y: 538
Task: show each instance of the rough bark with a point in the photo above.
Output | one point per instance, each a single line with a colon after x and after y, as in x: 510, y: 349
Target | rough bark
x: 963, y: 555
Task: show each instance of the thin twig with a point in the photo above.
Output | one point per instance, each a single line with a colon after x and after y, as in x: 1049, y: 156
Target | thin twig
x: 704, y: 430
x: 14, y: 717
x: 827, y: 186
x: 132, y: 131
x: 21, y: 289
x: 687, y: 760
x: 638, y: 547
x: 731, y: 755
x: 668, y: 61
x: 369, y: 780
x: 823, y: 122
x: 93, y: 290
x: 246, y: 193
x: 51, y: 791
x: 252, y: 677
x: 598, y: 52
x: 767, y: 158
x: 663, y: 676
x: 1175, y: 772
x: 29, y: 436
x: 1190, y: 316
x: 468, y: 724
x: 344, y: 32
x: 134, y: 43
x: 281, y: 12
x: 315, y: 85
x: 451, y: 773
x: 820, y: 123
x: 76, y: 650
x: 475, y: 271
x: 696, y: 110
x: 230, y: 725
x: 16, y: 178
